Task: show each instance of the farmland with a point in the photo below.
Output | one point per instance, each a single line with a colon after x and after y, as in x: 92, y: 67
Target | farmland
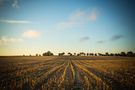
x: 67, y: 73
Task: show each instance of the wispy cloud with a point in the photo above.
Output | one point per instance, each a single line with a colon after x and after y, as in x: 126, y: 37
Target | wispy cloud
x: 113, y: 38
x: 116, y: 37
x: 78, y: 18
x: 8, y: 40
x: 86, y: 38
x: 66, y: 25
x: 74, y: 20
x: 31, y: 34
x: 78, y: 15
x: 15, y: 21
x: 15, y: 4
x: 93, y: 15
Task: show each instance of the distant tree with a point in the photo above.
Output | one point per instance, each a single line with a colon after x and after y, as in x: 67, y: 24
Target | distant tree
x: 100, y: 54
x: 70, y: 54
x: 117, y: 54
x: 88, y: 54
x: 95, y: 54
x: 111, y: 54
x: 130, y: 54
x: 106, y: 54
x: 37, y: 55
x: 91, y: 54
x: 78, y: 54
x: 48, y: 53
x: 74, y: 54
x: 82, y: 54
x: 134, y: 54
x: 61, y: 54
x: 122, y: 54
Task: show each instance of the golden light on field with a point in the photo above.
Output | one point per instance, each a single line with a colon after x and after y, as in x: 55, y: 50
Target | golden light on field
x: 92, y: 73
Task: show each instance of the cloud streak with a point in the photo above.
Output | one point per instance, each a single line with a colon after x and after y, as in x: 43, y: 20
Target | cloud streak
x: 100, y: 42
x: 8, y: 40
x: 83, y: 39
x: 15, y: 21
x: 113, y: 38
x: 31, y: 34
x: 116, y: 37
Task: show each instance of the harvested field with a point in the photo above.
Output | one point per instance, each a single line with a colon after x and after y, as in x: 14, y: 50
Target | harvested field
x: 67, y: 73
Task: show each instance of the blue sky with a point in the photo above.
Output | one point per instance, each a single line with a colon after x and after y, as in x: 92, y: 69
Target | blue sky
x: 35, y: 26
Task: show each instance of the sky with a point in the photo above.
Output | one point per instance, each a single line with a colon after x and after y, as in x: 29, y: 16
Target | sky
x: 37, y: 26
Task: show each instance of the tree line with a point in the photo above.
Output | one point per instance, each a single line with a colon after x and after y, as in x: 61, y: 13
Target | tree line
x: 130, y: 54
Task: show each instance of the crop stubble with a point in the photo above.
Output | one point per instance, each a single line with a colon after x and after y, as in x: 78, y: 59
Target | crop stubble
x: 67, y: 73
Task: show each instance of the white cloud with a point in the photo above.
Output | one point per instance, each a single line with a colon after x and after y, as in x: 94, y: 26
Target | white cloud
x: 75, y: 19
x: 15, y: 21
x: 78, y: 18
x: 93, y: 15
x: 8, y: 40
x: 15, y: 4
x: 31, y: 34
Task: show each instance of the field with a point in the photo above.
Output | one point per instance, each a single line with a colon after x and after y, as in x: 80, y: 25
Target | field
x: 67, y: 73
